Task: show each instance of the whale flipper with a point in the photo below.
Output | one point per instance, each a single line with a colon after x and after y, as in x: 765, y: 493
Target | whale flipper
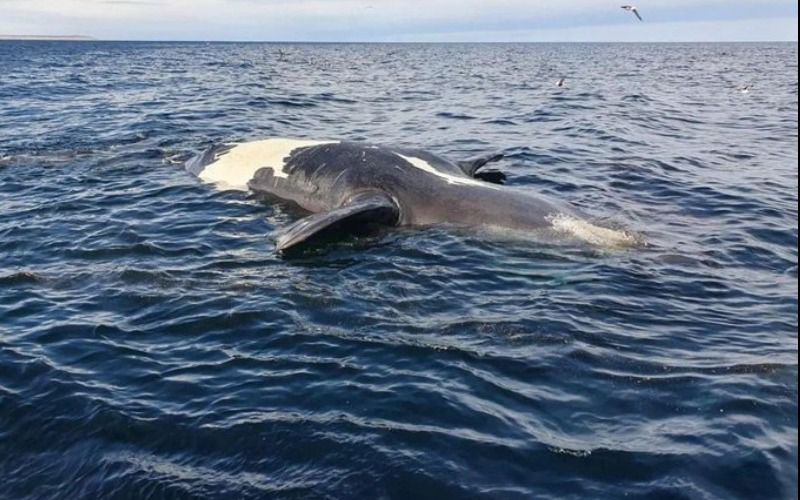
x: 493, y: 176
x: 361, y: 211
x: 472, y: 165
x: 196, y: 164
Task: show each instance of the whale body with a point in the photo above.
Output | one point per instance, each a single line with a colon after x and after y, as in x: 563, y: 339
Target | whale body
x: 348, y: 186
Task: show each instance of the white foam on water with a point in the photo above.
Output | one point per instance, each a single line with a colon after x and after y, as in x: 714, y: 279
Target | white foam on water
x: 233, y: 169
x: 593, y: 234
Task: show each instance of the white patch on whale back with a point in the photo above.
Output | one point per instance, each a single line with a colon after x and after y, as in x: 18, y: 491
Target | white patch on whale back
x: 451, y: 179
x: 592, y: 234
x: 233, y: 169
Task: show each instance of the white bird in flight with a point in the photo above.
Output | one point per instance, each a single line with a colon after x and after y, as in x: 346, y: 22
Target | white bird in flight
x: 560, y: 82
x: 632, y: 8
x: 745, y: 89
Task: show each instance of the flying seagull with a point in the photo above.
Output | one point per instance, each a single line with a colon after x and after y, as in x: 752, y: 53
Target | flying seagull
x: 745, y: 89
x: 560, y: 82
x: 632, y: 8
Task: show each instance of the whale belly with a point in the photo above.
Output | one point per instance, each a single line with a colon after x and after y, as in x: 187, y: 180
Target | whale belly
x: 236, y: 165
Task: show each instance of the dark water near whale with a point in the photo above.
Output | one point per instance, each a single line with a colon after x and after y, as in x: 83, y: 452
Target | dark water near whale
x: 153, y: 346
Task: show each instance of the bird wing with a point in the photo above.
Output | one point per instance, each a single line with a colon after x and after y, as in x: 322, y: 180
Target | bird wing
x: 636, y: 11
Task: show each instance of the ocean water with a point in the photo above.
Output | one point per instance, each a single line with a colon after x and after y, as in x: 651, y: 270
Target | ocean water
x: 152, y: 345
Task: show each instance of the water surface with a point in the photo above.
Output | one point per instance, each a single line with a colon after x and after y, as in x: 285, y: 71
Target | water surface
x: 152, y: 345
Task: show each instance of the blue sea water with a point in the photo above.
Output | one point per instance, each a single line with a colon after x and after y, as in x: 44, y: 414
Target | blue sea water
x: 152, y: 345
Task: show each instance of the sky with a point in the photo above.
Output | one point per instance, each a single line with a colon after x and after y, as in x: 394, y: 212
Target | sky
x: 404, y: 20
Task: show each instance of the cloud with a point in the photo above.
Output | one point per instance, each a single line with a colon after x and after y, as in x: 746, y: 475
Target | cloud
x: 130, y: 2
x: 747, y: 30
x: 401, y: 20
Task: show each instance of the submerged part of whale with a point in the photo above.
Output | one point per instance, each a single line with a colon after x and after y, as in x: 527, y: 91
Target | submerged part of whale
x: 351, y: 185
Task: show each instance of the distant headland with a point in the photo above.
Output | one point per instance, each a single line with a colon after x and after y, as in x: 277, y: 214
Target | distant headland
x: 71, y: 38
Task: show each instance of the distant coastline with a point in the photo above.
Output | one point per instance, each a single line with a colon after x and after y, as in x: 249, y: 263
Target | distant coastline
x: 71, y: 38
x: 86, y: 38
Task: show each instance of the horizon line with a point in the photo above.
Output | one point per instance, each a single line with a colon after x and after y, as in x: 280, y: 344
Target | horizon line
x: 89, y: 38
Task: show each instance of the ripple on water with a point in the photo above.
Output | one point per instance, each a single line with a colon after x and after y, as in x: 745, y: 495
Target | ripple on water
x: 152, y: 342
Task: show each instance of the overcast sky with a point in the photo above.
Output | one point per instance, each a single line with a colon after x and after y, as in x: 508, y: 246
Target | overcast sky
x: 403, y: 20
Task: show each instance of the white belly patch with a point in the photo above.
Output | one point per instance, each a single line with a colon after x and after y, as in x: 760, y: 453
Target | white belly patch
x: 234, y: 168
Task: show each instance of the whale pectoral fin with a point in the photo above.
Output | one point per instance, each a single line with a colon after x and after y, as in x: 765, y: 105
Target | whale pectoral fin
x: 493, y: 176
x: 472, y: 165
x: 362, y: 211
x: 197, y: 163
